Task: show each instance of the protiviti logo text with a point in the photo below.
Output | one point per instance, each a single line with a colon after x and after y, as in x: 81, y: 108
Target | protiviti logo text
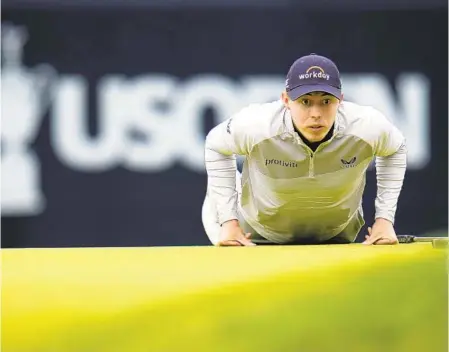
x: 281, y: 163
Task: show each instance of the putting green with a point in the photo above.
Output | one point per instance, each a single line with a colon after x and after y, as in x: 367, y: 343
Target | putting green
x: 266, y: 298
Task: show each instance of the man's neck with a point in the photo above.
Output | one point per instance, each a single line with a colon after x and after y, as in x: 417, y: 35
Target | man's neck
x: 314, y: 145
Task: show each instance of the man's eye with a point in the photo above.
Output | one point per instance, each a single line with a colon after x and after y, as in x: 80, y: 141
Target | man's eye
x: 305, y: 102
x: 326, y: 101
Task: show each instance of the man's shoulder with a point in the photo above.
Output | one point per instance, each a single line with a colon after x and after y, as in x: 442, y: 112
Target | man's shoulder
x: 361, y: 118
x: 364, y: 121
x: 263, y: 120
x: 355, y: 112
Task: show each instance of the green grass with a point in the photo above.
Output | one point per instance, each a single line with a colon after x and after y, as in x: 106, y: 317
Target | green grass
x: 329, y: 298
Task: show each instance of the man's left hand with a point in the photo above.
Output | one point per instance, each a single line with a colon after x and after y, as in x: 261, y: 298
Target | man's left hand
x: 382, y: 232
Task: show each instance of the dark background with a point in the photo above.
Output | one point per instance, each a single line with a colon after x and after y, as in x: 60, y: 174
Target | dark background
x: 122, y: 207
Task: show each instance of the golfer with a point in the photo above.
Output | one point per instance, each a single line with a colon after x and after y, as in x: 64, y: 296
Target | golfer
x: 306, y: 157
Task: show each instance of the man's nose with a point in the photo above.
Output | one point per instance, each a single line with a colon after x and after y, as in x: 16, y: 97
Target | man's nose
x: 315, y: 112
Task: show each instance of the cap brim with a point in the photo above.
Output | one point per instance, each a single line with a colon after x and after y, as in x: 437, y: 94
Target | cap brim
x: 295, y: 93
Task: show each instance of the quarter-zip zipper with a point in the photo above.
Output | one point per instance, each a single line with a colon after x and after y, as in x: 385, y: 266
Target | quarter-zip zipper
x: 312, y: 153
x: 311, y: 168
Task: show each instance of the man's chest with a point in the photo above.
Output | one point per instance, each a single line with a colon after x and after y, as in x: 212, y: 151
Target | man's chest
x: 288, y: 160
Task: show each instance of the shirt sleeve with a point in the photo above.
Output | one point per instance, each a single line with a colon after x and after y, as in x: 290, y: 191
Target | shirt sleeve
x: 391, y: 163
x: 388, y: 137
x: 223, y: 142
x: 390, y: 171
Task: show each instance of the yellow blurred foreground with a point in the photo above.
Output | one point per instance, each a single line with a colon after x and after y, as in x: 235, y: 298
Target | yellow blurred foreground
x: 267, y: 298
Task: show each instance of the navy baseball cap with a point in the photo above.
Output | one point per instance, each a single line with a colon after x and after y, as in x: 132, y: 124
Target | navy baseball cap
x: 313, y: 73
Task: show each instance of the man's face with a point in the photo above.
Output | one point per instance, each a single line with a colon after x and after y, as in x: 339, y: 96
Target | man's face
x: 313, y: 114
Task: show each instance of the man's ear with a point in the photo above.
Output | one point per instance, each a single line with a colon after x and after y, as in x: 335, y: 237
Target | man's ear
x: 285, y: 99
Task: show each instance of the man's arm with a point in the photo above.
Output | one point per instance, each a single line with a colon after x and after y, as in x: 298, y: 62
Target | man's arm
x: 391, y: 163
x: 233, y: 136
x: 390, y: 172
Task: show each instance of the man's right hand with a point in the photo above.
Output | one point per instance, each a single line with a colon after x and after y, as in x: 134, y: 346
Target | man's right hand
x: 233, y: 235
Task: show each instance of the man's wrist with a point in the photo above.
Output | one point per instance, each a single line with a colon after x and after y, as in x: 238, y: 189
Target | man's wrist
x: 383, y: 220
x: 231, y: 223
